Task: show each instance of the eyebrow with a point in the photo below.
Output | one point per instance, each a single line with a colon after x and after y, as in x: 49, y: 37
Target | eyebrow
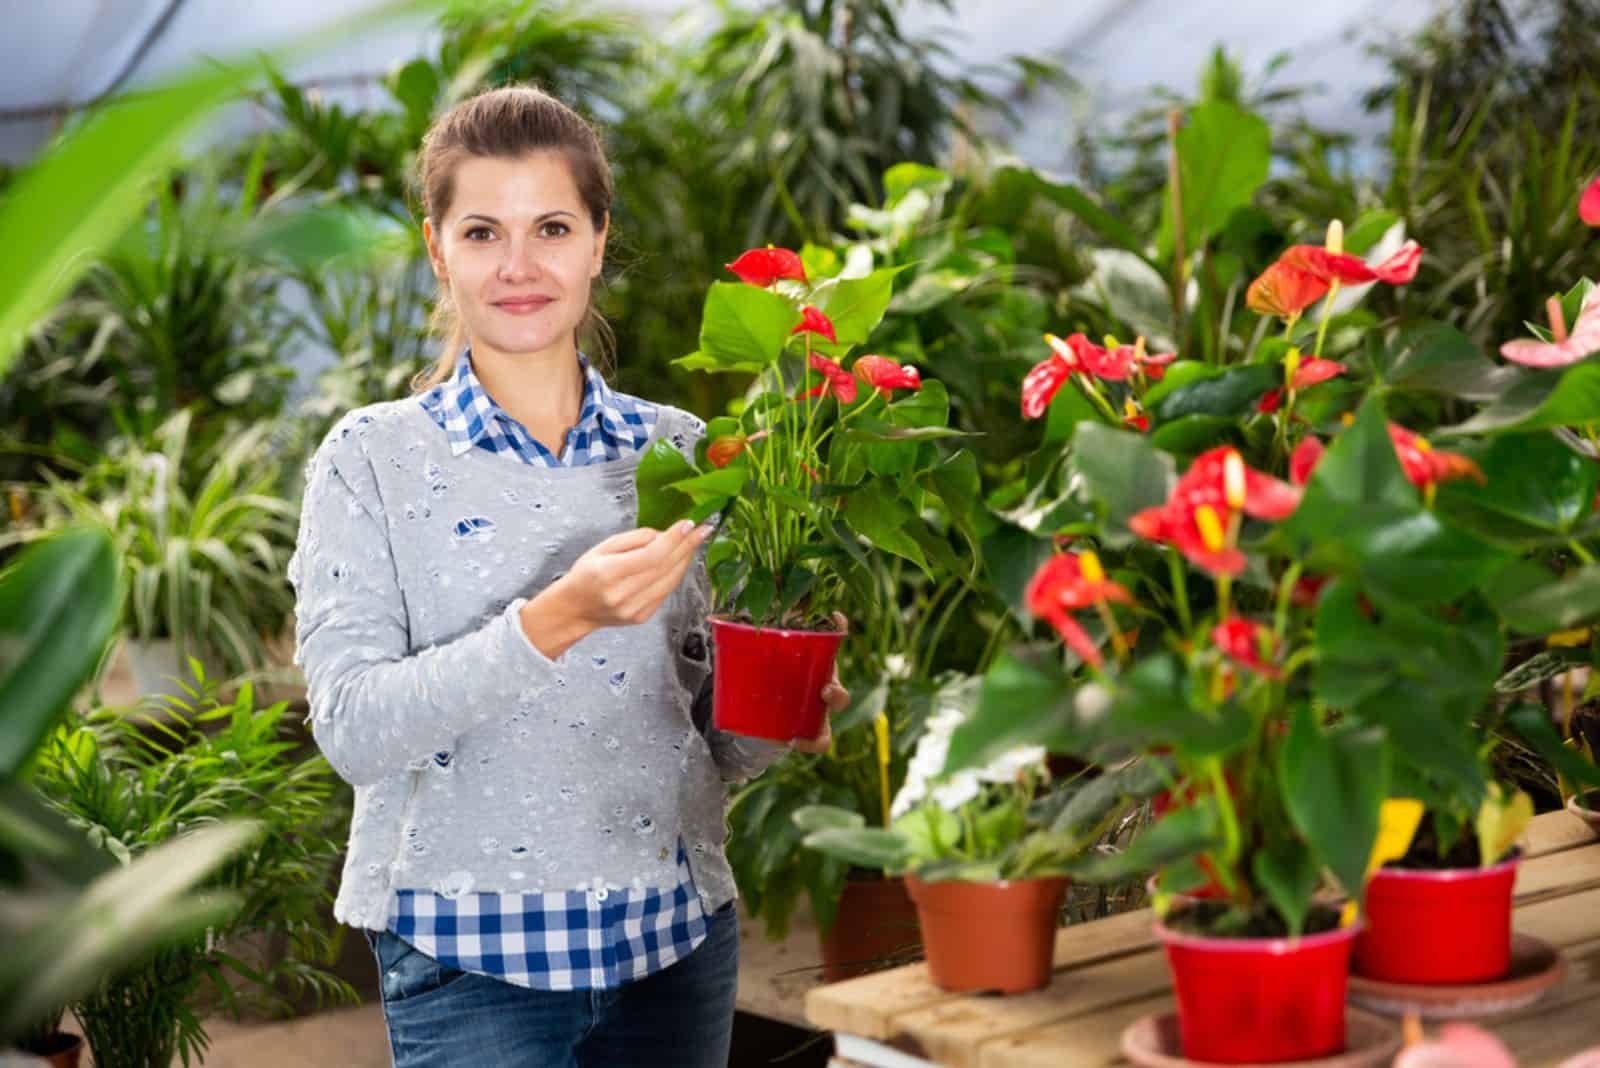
x: 539, y: 219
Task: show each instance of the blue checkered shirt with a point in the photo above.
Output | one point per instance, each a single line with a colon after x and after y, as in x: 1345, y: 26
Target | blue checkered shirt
x: 581, y: 939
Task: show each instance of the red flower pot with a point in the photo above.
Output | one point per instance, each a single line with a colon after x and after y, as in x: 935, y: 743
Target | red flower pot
x: 989, y: 936
x: 1450, y: 926
x: 767, y: 682
x: 1259, y: 1000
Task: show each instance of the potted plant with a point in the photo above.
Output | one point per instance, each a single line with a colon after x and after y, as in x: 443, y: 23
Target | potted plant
x: 204, y: 542
x: 986, y: 852
x: 822, y: 463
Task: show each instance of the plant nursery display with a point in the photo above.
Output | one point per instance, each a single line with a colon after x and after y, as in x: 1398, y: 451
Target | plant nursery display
x: 829, y: 458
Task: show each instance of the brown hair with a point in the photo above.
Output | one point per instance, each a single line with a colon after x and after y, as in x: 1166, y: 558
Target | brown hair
x: 508, y: 123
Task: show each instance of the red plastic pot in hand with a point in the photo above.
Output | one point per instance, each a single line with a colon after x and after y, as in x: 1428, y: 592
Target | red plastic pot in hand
x: 1436, y: 927
x: 767, y: 681
x: 1259, y: 1000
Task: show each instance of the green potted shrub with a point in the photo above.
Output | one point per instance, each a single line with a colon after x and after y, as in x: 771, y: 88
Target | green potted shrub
x: 822, y: 463
x: 204, y: 541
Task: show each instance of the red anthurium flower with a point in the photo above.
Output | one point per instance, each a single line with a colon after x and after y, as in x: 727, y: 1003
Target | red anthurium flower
x: 727, y: 448
x: 764, y: 266
x: 1589, y: 204
x: 884, y: 375
x: 836, y: 381
x: 1133, y: 417
x: 1349, y: 270
x: 1269, y: 402
x: 1040, y: 386
x: 813, y: 321
x: 1304, y: 460
x: 1285, y: 291
x: 1425, y: 466
x: 1312, y: 371
x: 1199, y: 517
x: 1244, y: 642
x: 1307, y: 589
x: 1066, y: 583
x: 1565, y: 348
x: 1118, y: 362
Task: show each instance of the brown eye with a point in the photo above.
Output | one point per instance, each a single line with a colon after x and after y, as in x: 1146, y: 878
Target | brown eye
x: 555, y: 229
x: 479, y: 233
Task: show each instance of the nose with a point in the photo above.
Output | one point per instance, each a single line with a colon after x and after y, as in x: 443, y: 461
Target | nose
x: 520, y: 262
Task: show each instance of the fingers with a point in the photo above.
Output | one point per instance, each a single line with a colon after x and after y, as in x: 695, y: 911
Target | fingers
x: 840, y: 622
x: 816, y: 745
x: 835, y: 696
x: 650, y: 587
x: 628, y: 540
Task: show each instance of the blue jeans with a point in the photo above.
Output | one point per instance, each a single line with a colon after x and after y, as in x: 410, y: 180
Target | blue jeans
x: 681, y: 1016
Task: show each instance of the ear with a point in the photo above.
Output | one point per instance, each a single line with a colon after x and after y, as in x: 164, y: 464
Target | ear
x: 430, y: 237
x: 600, y: 246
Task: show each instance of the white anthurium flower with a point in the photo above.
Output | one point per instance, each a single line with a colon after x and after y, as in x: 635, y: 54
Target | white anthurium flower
x: 957, y: 790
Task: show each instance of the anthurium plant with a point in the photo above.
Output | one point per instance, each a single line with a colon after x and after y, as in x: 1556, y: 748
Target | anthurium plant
x: 1317, y: 616
x: 832, y: 454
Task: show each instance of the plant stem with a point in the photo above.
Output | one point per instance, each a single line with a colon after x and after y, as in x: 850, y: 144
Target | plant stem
x: 1180, y: 591
x: 1327, y: 314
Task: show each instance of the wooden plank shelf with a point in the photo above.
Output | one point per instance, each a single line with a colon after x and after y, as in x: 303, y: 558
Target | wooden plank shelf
x: 1110, y: 972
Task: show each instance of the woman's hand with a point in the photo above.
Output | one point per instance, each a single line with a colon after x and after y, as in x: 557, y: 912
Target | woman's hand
x: 835, y: 697
x: 618, y: 583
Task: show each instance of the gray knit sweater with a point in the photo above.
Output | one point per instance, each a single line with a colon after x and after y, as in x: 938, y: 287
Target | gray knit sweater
x: 479, y: 764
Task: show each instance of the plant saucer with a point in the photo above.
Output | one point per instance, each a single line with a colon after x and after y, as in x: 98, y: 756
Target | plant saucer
x: 1370, y: 1041
x: 1536, y: 966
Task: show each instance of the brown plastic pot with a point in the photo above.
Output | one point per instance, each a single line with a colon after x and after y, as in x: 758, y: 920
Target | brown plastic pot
x: 60, y: 1050
x: 876, y: 921
x: 989, y: 936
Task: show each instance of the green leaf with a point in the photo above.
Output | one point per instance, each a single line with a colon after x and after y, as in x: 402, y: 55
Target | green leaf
x: 1109, y: 792
x: 1015, y: 183
x: 902, y: 178
x: 877, y: 430
x: 1532, y: 724
x: 328, y: 235
x: 855, y: 306
x: 59, y: 606
x: 1193, y: 434
x: 1134, y: 292
x: 1533, y: 479
x: 1438, y: 358
x: 1183, y: 832
x: 1022, y: 701
x: 1540, y: 400
x: 1334, y: 781
x: 880, y: 518
x: 718, y: 484
x: 1122, y: 473
x: 660, y: 503
x: 744, y: 327
x: 1223, y: 157
x: 868, y: 847
x: 1068, y: 408
x: 1289, y: 873
x: 1228, y: 393
x: 1572, y: 599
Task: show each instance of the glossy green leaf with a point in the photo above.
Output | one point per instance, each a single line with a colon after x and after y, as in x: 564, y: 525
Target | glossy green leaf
x: 59, y: 606
x: 855, y: 306
x: 1068, y: 408
x: 1229, y: 393
x: 1289, y: 873
x: 1334, y: 780
x: 1223, y: 156
x: 1572, y: 599
x: 660, y: 504
x: 1438, y: 358
x: 1022, y: 701
x: 1533, y: 479
x: 881, y: 518
x: 1532, y: 724
x: 1540, y: 400
x: 1122, y: 473
x: 744, y: 327
x: 867, y: 847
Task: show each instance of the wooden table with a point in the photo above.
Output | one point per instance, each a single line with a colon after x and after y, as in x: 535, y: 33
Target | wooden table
x: 1111, y: 972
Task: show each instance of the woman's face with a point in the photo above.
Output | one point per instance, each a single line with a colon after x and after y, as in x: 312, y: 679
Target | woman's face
x: 518, y: 251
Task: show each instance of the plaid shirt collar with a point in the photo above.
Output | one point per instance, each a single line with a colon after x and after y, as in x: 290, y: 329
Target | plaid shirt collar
x: 610, y: 424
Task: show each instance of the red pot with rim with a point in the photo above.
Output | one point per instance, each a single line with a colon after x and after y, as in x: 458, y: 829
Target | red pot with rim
x: 1438, y: 926
x: 989, y: 936
x: 1259, y: 1000
x: 767, y: 681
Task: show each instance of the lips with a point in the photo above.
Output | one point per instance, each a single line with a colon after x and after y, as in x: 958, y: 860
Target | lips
x: 523, y: 305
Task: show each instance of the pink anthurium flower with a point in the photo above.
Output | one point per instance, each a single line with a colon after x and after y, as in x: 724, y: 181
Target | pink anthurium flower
x: 836, y: 381
x: 1247, y: 643
x: 812, y: 321
x: 1564, y: 348
x: 764, y: 266
x: 1200, y: 516
x: 886, y: 376
x: 1066, y: 583
x: 1589, y: 204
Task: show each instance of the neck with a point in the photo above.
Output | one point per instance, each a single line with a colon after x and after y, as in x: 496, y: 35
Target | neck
x: 541, y: 390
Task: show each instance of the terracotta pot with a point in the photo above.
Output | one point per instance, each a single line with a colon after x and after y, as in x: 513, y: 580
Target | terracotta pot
x: 1588, y: 815
x: 1259, y: 1000
x: 876, y: 921
x: 767, y: 681
x: 1438, y: 927
x: 989, y: 936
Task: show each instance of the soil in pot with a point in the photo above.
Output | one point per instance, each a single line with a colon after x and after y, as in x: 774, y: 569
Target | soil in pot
x: 876, y: 924
x: 767, y: 681
x: 59, y: 1049
x: 1257, y: 996
x: 989, y: 936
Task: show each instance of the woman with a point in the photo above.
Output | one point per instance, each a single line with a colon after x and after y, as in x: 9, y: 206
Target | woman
x: 504, y: 668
